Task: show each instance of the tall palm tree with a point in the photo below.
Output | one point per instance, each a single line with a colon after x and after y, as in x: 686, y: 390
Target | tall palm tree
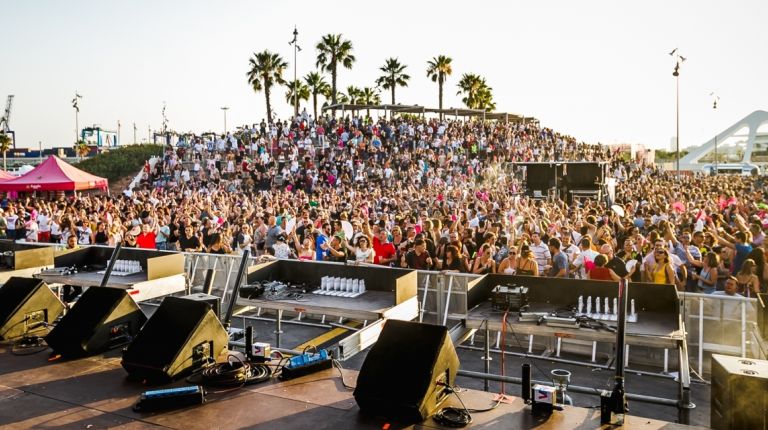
x: 296, y: 89
x: 317, y: 85
x: 266, y: 70
x: 5, y: 145
x: 369, y: 96
x: 438, y: 69
x: 477, y: 93
x: 354, y: 94
x: 332, y: 50
x: 394, y: 76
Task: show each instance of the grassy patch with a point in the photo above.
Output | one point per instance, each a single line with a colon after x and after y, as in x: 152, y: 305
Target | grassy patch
x: 119, y: 163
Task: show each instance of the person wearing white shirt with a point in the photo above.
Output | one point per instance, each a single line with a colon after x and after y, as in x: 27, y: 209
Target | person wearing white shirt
x: 540, y: 251
x: 43, y: 227
x: 586, y: 258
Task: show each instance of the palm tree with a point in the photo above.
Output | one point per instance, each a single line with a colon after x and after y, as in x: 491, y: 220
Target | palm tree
x: 266, y: 70
x: 82, y: 149
x: 353, y: 94
x: 438, y: 69
x: 485, y: 99
x: 369, y: 96
x: 317, y: 85
x: 393, y: 77
x: 477, y: 93
x: 5, y: 145
x: 332, y: 50
x: 296, y: 89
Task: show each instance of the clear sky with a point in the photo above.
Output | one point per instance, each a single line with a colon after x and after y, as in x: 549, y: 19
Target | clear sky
x: 597, y: 70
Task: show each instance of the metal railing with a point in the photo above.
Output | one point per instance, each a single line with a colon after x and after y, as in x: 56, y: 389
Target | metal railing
x: 714, y: 323
x: 721, y: 324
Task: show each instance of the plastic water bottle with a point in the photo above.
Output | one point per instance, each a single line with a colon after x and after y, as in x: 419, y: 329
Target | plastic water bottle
x: 362, y: 286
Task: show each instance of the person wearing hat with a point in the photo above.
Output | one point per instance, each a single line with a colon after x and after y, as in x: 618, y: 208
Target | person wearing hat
x: 129, y: 241
x: 281, y: 249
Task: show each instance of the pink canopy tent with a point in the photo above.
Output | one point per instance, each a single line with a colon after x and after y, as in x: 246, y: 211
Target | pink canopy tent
x: 4, y: 176
x: 54, y: 174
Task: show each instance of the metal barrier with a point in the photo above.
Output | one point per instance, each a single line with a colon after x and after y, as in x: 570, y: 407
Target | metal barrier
x: 721, y: 324
x: 714, y: 323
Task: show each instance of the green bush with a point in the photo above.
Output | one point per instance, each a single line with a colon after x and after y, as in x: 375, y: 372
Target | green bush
x: 119, y: 163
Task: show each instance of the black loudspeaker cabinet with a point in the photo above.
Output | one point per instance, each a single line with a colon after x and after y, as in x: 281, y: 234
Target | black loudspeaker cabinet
x: 398, y: 379
x: 26, y: 305
x: 180, y: 337
x: 214, y: 301
x: 739, y: 393
x: 102, y: 318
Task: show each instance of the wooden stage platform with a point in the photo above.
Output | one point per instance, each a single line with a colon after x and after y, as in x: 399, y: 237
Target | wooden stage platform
x: 93, y: 393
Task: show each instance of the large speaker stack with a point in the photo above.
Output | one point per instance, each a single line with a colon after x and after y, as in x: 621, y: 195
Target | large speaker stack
x: 739, y: 393
x: 27, y: 305
x: 101, y: 319
x: 400, y: 375
x: 180, y: 337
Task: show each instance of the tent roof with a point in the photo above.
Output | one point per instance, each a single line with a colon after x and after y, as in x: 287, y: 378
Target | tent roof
x: 54, y: 174
x: 4, y: 176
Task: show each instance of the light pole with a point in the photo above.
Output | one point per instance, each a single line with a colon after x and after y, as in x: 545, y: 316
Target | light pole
x: 77, y: 115
x: 676, y: 73
x: 715, y: 98
x: 225, y: 109
x: 134, y: 133
x: 118, y: 133
x: 296, y: 48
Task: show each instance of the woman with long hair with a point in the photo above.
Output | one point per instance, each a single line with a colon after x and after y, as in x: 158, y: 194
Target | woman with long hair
x: 660, y: 271
x: 453, y: 261
x: 707, y: 279
x: 509, y: 263
x: 748, y: 283
x: 484, y: 263
x: 526, y: 264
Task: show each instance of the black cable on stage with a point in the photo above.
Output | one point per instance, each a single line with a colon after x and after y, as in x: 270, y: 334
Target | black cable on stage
x: 451, y: 416
x: 234, y: 373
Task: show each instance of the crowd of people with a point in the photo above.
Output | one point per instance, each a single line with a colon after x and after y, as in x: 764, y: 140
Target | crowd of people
x: 425, y: 194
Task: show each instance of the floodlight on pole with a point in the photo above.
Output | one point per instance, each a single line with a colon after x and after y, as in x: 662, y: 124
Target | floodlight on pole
x: 225, y: 109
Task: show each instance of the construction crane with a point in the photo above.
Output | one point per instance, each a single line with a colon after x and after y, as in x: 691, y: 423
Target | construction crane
x: 5, y: 121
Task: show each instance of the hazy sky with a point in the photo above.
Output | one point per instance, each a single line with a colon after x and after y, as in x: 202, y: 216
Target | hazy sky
x: 597, y: 70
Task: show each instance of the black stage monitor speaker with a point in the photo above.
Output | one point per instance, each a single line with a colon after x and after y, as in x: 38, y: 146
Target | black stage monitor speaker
x: 26, y: 306
x: 180, y: 337
x: 399, y: 378
x: 214, y: 301
x: 739, y: 393
x: 102, y: 318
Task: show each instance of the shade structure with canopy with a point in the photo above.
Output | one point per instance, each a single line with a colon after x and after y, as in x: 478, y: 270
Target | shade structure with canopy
x: 5, y: 176
x: 54, y: 174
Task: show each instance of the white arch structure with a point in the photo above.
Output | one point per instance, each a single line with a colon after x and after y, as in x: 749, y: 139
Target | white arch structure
x: 752, y: 122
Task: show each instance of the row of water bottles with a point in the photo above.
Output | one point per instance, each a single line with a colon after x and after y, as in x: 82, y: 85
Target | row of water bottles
x: 126, y: 267
x: 342, y: 287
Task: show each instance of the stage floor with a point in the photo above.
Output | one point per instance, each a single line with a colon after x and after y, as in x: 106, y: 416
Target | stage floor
x: 93, y: 393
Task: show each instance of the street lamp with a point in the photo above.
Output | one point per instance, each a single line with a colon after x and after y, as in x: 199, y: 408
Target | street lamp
x: 715, y: 99
x: 296, y: 48
x: 225, y: 109
x: 676, y: 73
